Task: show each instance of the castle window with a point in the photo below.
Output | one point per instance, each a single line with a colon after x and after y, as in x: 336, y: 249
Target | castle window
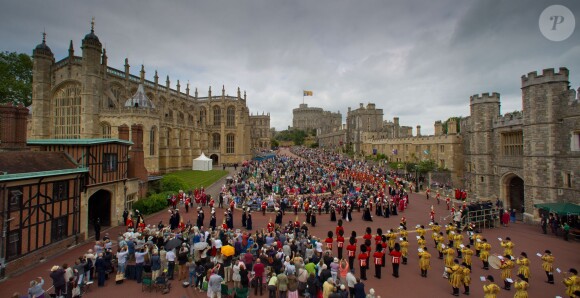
x: 482, y: 179
x: 202, y: 116
x: 231, y: 117
x: 217, y: 116
x: 109, y: 162
x: 567, y: 179
x: 152, y: 141
x: 512, y: 143
x: 67, y: 112
x: 442, y: 163
x: 442, y: 148
x: 216, y: 141
x: 13, y: 247
x: 59, y: 228
x: 575, y: 141
x: 177, y: 138
x: 230, y: 143
x: 15, y: 194
x: 60, y: 190
x: 105, y: 130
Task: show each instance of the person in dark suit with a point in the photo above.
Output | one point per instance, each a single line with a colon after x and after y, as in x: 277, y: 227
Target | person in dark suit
x: 359, y: 289
x: 100, y: 268
x: 97, y: 226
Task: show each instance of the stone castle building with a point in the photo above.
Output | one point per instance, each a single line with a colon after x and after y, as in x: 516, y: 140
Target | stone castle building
x: 261, y: 133
x: 81, y: 97
x: 528, y: 157
x: 306, y: 118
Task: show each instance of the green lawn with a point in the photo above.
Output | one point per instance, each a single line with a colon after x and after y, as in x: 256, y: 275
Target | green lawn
x: 196, y: 179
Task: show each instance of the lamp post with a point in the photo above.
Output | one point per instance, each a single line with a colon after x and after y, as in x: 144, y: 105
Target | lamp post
x: 416, y: 179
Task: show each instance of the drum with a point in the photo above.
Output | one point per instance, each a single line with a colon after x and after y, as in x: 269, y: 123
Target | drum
x: 494, y: 262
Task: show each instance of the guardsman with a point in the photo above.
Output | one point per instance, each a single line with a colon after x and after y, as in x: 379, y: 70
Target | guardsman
x: 490, y: 290
x: 362, y: 259
x: 455, y: 276
x: 329, y: 241
x: 507, y: 245
x: 378, y: 256
x: 340, y: 243
x: 547, y: 265
x: 424, y: 261
x: 270, y: 226
x: 351, y: 252
x: 506, y: 271
x: 524, y: 269
x: 264, y: 206
x: 296, y: 204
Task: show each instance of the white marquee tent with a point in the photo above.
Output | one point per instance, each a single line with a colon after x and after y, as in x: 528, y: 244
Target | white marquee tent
x: 202, y: 163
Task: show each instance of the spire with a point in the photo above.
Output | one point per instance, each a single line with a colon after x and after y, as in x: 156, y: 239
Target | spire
x: 209, y: 93
x: 223, y: 90
x: 43, y: 48
x: 71, y: 49
x: 195, y: 94
x: 127, y: 68
x: 178, y: 86
x: 44, y: 37
x: 244, y: 94
x: 156, y: 78
x: 142, y: 73
x: 93, y: 25
x: 167, y: 82
x: 239, y: 93
x: 187, y: 89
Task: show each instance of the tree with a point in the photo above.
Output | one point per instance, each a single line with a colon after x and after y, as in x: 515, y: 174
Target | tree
x: 426, y: 166
x: 15, y: 78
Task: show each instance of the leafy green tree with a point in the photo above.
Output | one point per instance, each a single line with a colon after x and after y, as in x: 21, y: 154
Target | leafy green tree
x: 427, y: 165
x: 15, y: 78
x: 274, y: 143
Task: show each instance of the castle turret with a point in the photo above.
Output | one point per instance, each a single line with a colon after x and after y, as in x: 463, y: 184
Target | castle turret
x: 91, y: 80
x: 142, y: 74
x: 484, y: 109
x: 545, y: 100
x: 396, y: 127
x: 43, y: 61
x: 418, y: 130
x: 438, y: 128
x: 452, y: 126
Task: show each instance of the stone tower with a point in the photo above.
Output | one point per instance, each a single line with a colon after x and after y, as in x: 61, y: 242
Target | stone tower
x: 43, y: 61
x: 484, y: 109
x: 545, y: 100
x: 91, y: 82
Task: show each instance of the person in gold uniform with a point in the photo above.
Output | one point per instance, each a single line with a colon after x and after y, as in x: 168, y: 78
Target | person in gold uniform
x: 484, y: 253
x: 440, y: 246
x: 436, y: 228
x: 572, y: 283
x: 448, y: 229
x: 421, y: 242
x: 524, y: 269
x: 506, y: 271
x: 521, y: 287
x: 508, y: 246
x: 404, y: 250
x: 420, y: 230
x: 547, y: 265
x: 467, y: 254
x: 477, y: 238
x: 424, y: 261
x: 457, y: 242
x: 466, y: 278
x: 455, y: 276
x: 403, y: 232
x: 449, y: 253
x: 392, y: 236
x: 490, y: 290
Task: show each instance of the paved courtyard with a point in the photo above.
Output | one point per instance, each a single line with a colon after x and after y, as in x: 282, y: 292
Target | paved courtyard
x: 526, y: 237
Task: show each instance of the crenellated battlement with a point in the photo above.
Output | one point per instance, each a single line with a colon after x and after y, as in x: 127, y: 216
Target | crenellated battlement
x: 509, y: 119
x: 484, y: 97
x: 548, y: 76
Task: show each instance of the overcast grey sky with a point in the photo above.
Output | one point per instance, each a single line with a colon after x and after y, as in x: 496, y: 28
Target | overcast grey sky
x: 418, y: 60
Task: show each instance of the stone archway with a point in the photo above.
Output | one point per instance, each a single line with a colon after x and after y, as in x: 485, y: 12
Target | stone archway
x: 99, y: 206
x: 214, y: 159
x: 513, y: 192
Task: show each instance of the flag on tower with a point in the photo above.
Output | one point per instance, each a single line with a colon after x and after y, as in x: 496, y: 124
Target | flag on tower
x: 307, y: 93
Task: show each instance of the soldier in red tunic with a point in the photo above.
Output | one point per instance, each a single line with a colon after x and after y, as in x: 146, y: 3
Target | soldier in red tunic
x: 340, y: 243
x: 362, y: 258
x: 270, y: 226
x: 264, y: 205
x: 351, y: 250
x: 329, y: 240
x: 296, y: 204
x: 378, y: 262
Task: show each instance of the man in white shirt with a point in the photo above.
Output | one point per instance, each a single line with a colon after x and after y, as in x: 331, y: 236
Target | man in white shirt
x: 350, y: 282
x: 170, y: 256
